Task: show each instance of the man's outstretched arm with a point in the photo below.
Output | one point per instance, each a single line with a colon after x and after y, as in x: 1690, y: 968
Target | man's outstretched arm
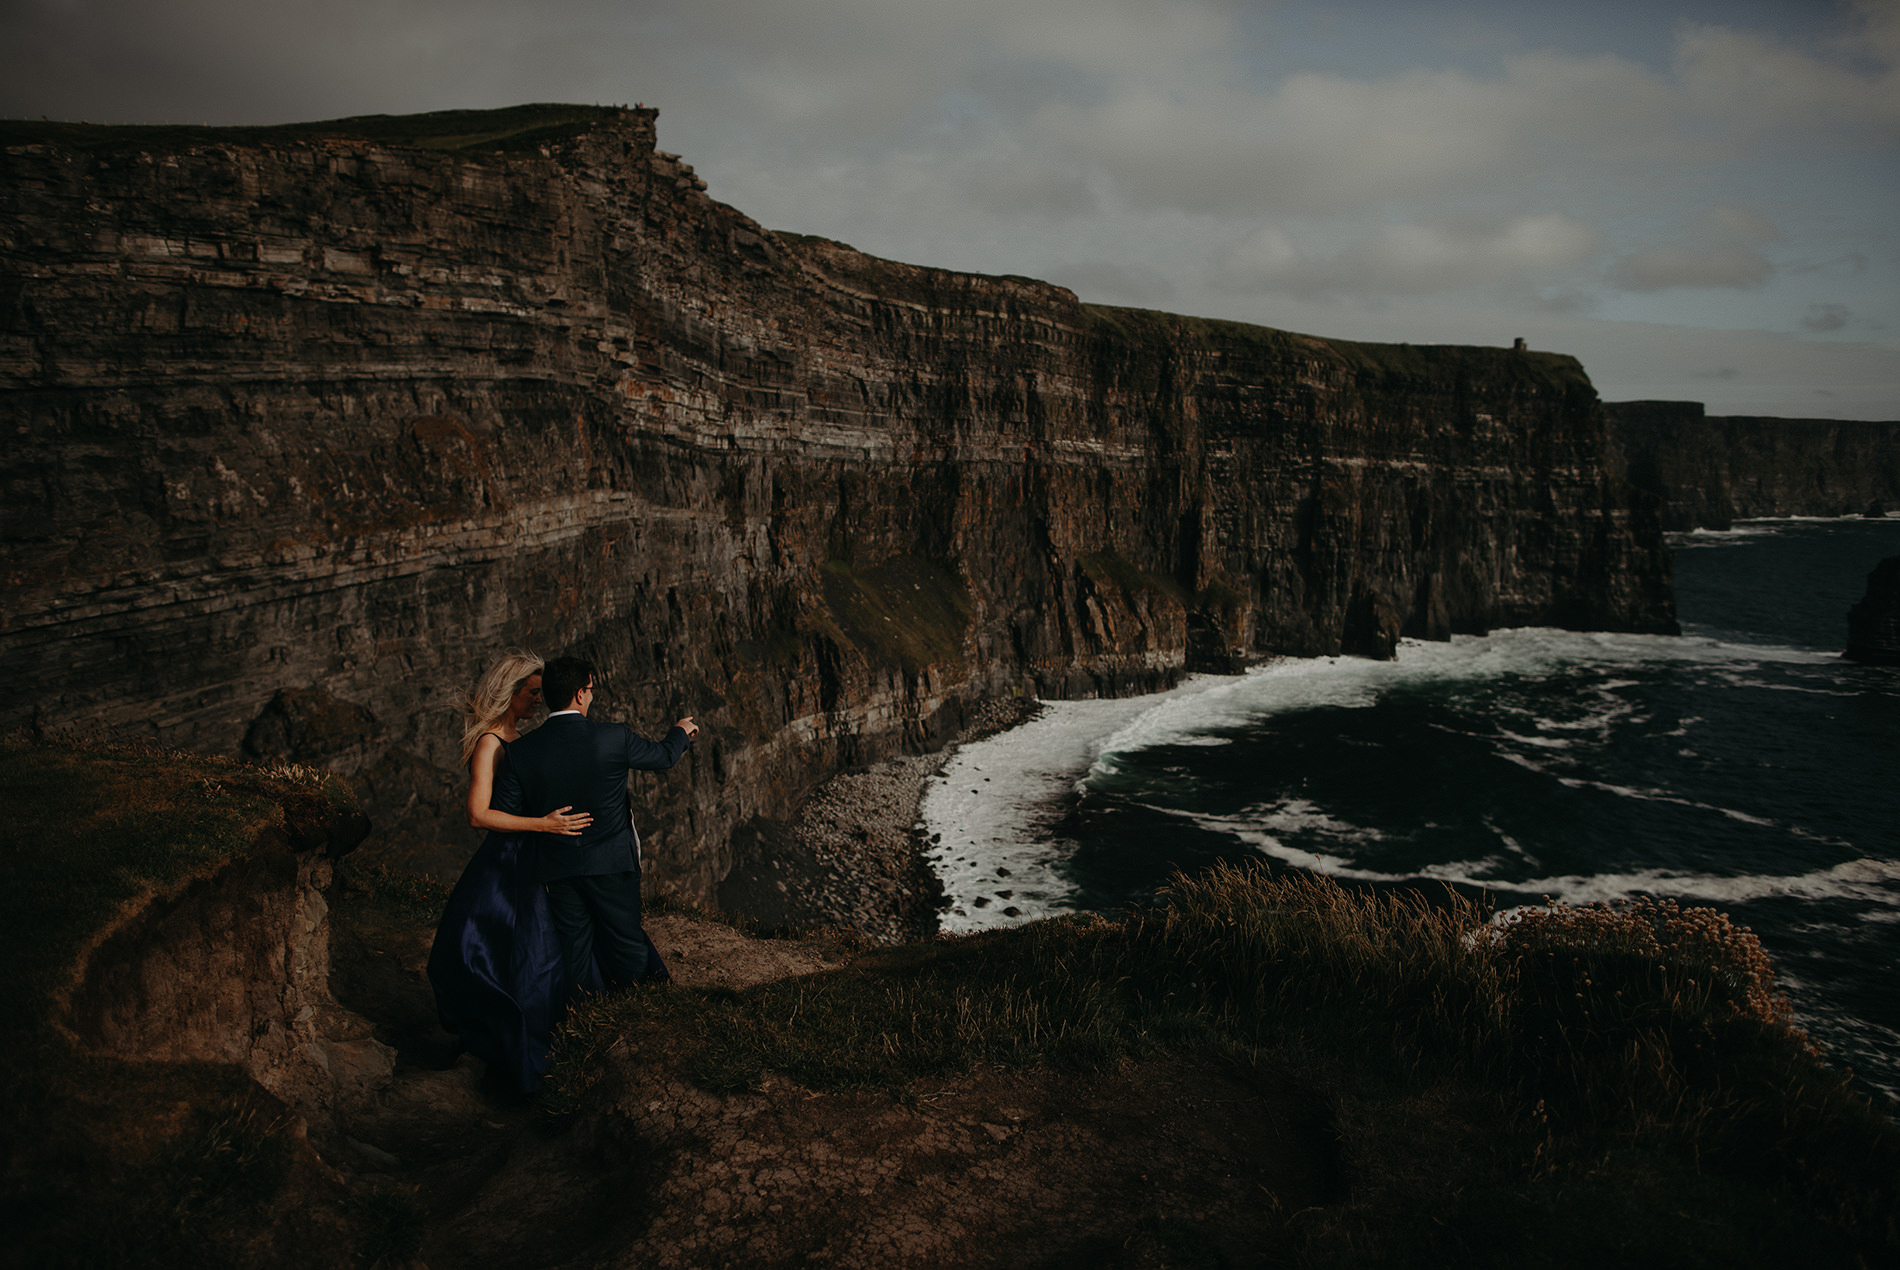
x: 655, y: 756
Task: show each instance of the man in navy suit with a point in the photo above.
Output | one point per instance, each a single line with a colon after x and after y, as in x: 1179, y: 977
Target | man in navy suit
x: 593, y: 880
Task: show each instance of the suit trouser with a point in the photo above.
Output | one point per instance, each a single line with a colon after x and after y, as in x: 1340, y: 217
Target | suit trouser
x: 598, y: 917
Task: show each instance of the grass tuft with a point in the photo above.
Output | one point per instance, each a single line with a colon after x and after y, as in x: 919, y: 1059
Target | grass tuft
x: 413, y: 897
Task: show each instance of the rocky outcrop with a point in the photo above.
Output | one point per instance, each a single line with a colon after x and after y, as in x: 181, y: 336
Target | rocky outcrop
x: 1873, y: 625
x: 305, y: 425
x: 234, y: 966
x: 1706, y: 472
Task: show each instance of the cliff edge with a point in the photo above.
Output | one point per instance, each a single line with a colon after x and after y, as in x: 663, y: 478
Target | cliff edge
x: 305, y: 424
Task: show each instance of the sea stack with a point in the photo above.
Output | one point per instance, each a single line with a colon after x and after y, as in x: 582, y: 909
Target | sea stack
x: 1873, y: 625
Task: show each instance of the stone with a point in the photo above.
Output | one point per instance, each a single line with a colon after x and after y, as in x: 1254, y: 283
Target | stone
x: 1873, y: 625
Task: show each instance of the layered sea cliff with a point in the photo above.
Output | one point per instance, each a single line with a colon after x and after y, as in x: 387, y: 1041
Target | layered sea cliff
x: 305, y: 424
x: 1708, y: 471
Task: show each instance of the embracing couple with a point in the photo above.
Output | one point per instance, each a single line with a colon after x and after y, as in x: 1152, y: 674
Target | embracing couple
x: 551, y: 901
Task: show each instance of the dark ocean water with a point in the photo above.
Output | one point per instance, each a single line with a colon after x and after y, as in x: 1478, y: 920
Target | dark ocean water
x: 1742, y: 766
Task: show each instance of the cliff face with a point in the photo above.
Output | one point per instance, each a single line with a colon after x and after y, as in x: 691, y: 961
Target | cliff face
x: 1707, y: 472
x: 304, y: 425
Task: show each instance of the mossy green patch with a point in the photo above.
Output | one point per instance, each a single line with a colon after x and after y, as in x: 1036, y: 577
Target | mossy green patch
x: 901, y: 612
x: 1222, y: 595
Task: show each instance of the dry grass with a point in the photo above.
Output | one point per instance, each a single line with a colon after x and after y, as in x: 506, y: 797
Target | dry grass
x: 1610, y: 1078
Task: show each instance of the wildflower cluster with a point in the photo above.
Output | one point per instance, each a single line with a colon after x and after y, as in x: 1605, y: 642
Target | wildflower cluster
x: 1698, y: 949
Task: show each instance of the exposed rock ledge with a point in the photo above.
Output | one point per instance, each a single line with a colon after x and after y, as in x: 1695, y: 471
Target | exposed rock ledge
x: 234, y: 967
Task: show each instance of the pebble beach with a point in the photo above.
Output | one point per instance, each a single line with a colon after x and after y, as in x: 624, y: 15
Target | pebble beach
x: 853, y: 857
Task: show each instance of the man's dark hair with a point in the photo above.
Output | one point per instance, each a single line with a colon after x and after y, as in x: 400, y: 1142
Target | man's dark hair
x: 562, y: 678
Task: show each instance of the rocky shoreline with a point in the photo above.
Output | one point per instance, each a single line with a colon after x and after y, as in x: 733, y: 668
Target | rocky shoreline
x: 852, y: 859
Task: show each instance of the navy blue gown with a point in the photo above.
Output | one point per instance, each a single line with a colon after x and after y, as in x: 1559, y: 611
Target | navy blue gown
x: 496, y: 963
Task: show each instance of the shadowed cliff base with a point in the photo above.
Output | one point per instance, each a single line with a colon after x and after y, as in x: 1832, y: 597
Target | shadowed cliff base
x: 311, y: 421
x: 1267, y: 1071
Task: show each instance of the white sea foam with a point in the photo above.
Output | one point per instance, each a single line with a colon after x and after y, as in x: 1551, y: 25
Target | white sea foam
x: 1511, y: 844
x: 1693, y: 804
x: 1540, y: 742
x: 996, y: 801
x: 1865, y: 880
x: 1763, y: 527
x: 1695, y: 538
x: 990, y: 810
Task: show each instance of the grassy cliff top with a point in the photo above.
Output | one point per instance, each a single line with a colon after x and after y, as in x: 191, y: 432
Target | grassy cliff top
x: 519, y: 129
x: 115, y: 1159
x: 514, y: 128
x: 1417, y: 362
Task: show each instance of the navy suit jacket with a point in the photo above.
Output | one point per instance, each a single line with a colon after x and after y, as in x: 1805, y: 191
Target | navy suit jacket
x: 572, y: 761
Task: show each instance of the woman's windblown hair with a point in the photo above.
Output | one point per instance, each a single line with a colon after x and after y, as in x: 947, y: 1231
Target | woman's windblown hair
x: 485, y: 707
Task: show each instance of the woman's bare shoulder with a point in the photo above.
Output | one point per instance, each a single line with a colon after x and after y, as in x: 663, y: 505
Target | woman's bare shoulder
x: 487, y: 745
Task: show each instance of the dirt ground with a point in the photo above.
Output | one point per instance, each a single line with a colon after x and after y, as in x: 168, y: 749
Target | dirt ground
x: 1167, y: 1163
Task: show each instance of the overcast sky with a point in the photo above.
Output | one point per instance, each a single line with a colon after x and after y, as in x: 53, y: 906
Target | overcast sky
x: 1698, y: 198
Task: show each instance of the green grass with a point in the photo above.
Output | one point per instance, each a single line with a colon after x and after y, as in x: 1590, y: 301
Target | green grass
x: 1578, y: 1086
x: 95, y: 829
x: 407, y: 898
x: 1133, y: 580
x: 1556, y: 372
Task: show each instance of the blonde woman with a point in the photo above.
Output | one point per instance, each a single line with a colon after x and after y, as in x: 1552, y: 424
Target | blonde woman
x: 496, y: 964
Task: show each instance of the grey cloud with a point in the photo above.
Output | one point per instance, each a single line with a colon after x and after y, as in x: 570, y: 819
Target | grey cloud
x: 1564, y: 300
x: 1825, y: 317
x: 1752, y: 84
x: 1659, y: 269
x: 226, y: 62
x: 855, y: 68
x: 1397, y: 259
x: 1740, y: 227
x: 1105, y: 282
x: 1027, y: 188
x: 1321, y: 143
